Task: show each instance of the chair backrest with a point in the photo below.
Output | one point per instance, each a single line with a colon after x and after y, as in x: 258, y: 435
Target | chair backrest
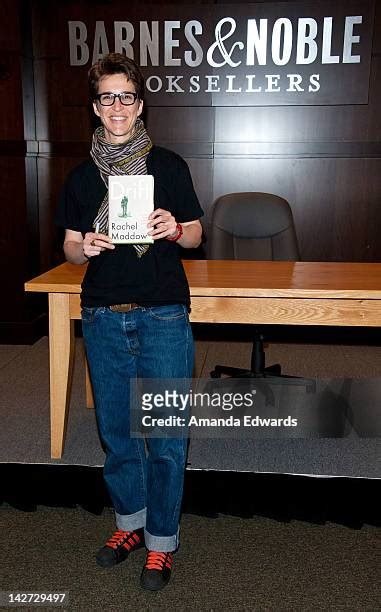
x: 252, y: 226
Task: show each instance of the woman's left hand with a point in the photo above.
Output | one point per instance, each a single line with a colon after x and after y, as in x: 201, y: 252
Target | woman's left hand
x: 161, y: 224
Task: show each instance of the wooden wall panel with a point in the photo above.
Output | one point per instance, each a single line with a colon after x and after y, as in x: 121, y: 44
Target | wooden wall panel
x: 293, y: 124
x: 52, y: 172
x: 376, y: 46
x: 55, y: 120
x: 192, y: 128
x: 13, y: 236
x: 202, y: 175
x: 14, y: 217
x: 11, y: 116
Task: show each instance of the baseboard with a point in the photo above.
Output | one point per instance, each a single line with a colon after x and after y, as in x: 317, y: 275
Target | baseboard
x: 346, y: 501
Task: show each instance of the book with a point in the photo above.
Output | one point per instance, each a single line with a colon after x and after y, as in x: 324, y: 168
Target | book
x: 130, y: 202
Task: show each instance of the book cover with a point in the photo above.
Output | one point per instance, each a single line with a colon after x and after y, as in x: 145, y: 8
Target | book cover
x: 130, y: 203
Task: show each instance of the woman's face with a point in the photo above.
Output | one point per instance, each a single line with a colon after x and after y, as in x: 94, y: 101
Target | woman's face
x: 118, y: 120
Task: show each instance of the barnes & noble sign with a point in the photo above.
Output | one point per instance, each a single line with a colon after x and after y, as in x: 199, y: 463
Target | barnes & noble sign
x: 225, y: 55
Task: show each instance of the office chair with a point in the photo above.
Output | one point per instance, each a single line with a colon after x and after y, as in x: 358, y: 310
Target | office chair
x: 253, y: 226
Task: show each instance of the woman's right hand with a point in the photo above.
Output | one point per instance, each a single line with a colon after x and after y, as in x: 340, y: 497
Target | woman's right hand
x: 95, y: 243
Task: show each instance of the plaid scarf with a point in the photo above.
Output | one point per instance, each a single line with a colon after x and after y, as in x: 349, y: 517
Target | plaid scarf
x: 117, y: 159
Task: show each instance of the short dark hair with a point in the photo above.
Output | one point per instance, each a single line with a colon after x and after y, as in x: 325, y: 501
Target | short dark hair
x: 115, y: 63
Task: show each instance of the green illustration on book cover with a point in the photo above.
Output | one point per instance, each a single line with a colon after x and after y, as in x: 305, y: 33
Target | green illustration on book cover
x: 124, y: 205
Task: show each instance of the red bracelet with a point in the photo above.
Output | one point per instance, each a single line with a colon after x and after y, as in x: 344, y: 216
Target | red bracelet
x: 177, y: 236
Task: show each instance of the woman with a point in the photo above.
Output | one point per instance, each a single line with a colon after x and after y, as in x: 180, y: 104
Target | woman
x: 135, y: 303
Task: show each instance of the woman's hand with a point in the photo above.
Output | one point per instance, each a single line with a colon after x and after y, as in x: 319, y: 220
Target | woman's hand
x: 79, y: 249
x: 166, y: 227
x: 95, y: 243
x: 161, y: 224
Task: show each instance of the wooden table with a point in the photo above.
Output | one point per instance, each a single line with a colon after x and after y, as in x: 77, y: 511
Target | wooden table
x: 270, y: 292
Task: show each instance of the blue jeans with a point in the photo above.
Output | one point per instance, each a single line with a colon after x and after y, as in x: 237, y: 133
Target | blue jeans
x: 145, y: 483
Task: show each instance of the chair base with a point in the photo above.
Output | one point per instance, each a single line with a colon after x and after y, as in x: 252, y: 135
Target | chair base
x: 271, y: 374
x: 219, y: 370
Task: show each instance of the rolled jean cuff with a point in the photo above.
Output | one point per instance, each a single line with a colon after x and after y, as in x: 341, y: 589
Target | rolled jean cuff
x: 130, y: 522
x: 161, y: 543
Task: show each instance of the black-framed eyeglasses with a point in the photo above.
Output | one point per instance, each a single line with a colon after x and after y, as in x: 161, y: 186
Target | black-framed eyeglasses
x: 127, y: 98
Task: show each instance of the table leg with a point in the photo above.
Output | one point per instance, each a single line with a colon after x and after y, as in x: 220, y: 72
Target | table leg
x: 61, y: 352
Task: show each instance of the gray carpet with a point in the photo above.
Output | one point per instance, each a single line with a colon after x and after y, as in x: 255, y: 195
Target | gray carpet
x: 24, y: 410
x: 224, y: 563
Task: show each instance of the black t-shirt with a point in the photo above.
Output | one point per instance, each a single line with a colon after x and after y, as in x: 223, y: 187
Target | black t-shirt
x: 119, y: 276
